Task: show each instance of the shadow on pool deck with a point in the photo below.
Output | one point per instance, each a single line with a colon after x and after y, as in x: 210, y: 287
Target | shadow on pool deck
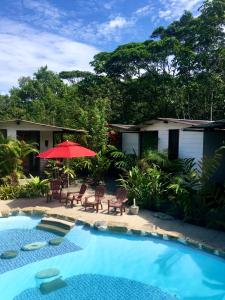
x: 144, y: 221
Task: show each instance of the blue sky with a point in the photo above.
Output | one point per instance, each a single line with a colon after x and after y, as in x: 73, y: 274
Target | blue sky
x: 66, y: 34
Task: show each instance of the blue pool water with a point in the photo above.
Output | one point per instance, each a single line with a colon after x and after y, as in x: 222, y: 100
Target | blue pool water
x: 113, y: 266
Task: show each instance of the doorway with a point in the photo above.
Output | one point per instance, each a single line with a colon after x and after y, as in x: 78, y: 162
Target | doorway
x: 31, y: 163
x: 173, y: 149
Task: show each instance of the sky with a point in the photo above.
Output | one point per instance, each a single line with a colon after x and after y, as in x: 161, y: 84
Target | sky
x: 66, y: 34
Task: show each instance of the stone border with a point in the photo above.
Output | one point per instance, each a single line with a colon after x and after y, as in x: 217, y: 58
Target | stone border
x: 115, y: 227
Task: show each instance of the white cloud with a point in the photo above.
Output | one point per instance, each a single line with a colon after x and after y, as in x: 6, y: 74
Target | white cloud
x: 43, y: 14
x: 165, y: 13
x: 144, y: 11
x: 42, y: 7
x: 100, y: 33
x: 23, y: 50
x: 117, y: 22
x: 172, y: 9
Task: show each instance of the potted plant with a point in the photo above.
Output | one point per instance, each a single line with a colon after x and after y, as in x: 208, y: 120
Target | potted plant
x: 134, y: 209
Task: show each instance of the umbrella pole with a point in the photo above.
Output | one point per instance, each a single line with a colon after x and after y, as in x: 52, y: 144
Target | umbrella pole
x: 68, y: 174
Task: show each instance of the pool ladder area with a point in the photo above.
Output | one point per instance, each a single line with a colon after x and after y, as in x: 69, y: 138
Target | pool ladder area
x: 57, y: 226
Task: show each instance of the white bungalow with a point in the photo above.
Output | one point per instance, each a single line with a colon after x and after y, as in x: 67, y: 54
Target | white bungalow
x: 180, y: 138
x: 43, y: 135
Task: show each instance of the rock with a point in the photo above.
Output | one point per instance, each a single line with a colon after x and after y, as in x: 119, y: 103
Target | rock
x: 34, y: 246
x: 52, y: 286
x: 136, y: 231
x: 47, y: 273
x: 117, y: 227
x: 5, y: 213
x: 100, y: 225
x: 28, y: 210
x: 15, y: 211
x: 9, y: 254
x: 56, y: 241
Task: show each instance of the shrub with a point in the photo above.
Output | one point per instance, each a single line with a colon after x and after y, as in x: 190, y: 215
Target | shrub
x: 186, y: 192
x: 8, y: 192
x: 12, y: 155
x: 35, y: 188
x: 148, y: 188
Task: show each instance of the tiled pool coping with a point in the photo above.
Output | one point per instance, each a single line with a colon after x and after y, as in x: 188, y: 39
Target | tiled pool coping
x: 118, y: 227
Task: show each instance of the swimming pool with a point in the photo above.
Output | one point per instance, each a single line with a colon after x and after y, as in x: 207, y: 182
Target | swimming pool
x: 102, y: 265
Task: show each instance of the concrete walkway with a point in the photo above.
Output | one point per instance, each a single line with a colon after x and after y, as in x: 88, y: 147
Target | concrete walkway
x: 145, y: 221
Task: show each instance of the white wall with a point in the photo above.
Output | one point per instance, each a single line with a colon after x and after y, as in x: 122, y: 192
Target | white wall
x: 191, y: 144
x: 45, y: 136
x: 163, y: 132
x: 130, y: 142
x: 11, y: 132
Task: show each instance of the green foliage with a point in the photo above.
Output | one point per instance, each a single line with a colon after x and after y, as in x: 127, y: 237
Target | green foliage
x: 162, y: 76
x: 12, y: 154
x: 187, y: 192
x: 35, y: 187
x: 100, y: 165
x: 123, y: 162
x: 148, y: 188
x: 55, y: 169
x: 97, y: 167
x: 8, y: 192
x: 93, y: 119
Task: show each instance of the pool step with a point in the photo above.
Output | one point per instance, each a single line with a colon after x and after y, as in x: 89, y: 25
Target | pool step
x: 57, y: 222
x: 52, y: 228
x: 52, y: 286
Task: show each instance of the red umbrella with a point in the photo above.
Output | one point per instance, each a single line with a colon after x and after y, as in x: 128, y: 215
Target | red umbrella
x: 67, y: 150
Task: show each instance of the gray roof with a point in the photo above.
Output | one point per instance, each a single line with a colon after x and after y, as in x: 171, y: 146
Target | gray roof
x: 215, y: 125
x: 182, y: 121
x: 188, y: 122
x: 124, y: 127
x: 59, y: 128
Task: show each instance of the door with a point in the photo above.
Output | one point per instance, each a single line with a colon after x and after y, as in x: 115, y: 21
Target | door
x: 173, y: 149
x: 149, y: 141
x: 3, y: 132
x: 31, y: 163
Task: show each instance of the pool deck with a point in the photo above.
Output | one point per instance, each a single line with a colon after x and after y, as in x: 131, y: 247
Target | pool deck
x: 145, y: 221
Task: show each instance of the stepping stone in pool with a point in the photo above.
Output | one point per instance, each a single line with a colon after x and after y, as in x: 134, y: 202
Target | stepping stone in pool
x: 52, y: 286
x: 47, y: 273
x: 9, y: 254
x: 56, y: 241
x: 34, y: 246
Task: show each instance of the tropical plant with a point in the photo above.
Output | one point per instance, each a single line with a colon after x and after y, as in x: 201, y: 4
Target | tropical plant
x: 148, y: 188
x: 12, y: 155
x: 36, y: 187
x: 100, y: 165
x: 55, y: 168
x: 123, y: 162
x: 8, y: 192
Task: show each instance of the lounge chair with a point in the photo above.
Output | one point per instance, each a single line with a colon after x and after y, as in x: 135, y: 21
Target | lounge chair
x: 76, y: 196
x: 99, y: 194
x: 119, y: 202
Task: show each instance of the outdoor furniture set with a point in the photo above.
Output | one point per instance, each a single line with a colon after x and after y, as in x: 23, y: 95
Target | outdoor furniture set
x: 90, y: 201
